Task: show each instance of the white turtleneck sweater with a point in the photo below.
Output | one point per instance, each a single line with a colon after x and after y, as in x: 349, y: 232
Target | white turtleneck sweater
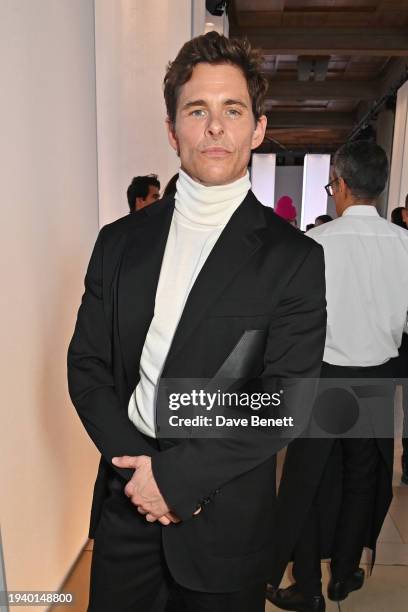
x: 200, y: 215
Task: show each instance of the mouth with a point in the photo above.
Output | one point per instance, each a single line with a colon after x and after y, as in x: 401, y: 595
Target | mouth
x: 215, y: 152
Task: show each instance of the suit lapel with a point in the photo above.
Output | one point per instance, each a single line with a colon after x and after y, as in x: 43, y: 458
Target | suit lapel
x: 139, y: 275
x: 237, y: 243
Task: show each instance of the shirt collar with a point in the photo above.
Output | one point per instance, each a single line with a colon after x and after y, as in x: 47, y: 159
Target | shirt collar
x: 361, y: 210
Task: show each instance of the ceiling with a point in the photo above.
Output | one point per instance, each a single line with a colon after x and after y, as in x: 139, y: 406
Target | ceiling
x: 328, y: 63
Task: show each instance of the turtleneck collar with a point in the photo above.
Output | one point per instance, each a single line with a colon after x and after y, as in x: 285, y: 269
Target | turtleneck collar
x: 209, y: 206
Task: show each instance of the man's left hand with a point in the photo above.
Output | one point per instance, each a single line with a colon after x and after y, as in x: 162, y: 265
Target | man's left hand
x: 143, y: 491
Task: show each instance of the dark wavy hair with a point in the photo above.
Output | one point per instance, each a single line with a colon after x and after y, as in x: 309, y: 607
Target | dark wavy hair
x: 139, y: 188
x: 213, y: 48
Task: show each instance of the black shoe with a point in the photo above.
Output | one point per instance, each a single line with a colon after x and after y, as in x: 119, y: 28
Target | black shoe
x: 404, y: 477
x: 338, y: 590
x: 292, y: 599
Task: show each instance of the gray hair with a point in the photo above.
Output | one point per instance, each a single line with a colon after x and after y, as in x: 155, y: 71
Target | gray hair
x: 363, y: 165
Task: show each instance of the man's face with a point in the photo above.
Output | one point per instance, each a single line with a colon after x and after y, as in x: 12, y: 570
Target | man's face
x: 215, y: 129
x: 152, y: 195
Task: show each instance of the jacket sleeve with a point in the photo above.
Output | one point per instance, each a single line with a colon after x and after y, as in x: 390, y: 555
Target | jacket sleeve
x: 188, y: 474
x: 90, y: 374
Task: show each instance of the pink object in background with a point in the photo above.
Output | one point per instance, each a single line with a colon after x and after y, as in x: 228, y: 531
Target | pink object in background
x: 285, y: 208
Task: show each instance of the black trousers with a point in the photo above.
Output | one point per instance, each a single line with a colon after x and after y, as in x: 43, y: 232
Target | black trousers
x: 129, y: 571
x: 360, y: 462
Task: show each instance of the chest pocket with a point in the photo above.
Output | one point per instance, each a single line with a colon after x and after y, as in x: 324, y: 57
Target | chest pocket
x: 246, y: 358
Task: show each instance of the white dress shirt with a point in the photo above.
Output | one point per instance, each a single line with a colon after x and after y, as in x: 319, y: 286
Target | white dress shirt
x: 366, y: 286
x: 200, y: 215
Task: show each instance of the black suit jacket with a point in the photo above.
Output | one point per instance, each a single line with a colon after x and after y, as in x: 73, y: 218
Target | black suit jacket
x: 263, y: 275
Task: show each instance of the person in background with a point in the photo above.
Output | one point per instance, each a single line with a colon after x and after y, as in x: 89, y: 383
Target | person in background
x: 321, y: 219
x: 143, y: 191
x: 171, y: 187
x: 284, y: 208
x: 397, y: 217
x: 310, y: 226
x: 366, y: 261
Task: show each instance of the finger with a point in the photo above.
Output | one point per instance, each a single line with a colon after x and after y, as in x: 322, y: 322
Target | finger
x: 129, y: 489
x: 125, y: 461
x: 141, y: 510
x: 150, y: 518
x: 173, y: 518
x: 140, y: 460
x: 164, y: 520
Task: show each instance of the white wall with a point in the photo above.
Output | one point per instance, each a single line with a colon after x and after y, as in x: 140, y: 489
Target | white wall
x: 385, y: 135
x: 316, y: 171
x: 398, y: 183
x: 263, y: 177
x: 49, y: 221
x: 134, y: 42
x: 288, y: 181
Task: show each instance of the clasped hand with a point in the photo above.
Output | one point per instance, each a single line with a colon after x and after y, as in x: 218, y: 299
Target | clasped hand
x: 143, y: 492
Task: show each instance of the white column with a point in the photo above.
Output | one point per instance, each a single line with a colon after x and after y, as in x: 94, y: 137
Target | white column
x: 398, y: 186
x: 263, y: 177
x: 316, y: 173
x: 134, y: 42
x: 198, y: 17
x: 385, y: 131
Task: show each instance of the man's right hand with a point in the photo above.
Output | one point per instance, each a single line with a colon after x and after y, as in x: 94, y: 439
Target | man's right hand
x: 170, y: 517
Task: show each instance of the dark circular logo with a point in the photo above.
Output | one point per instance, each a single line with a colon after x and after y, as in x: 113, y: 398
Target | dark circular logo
x: 336, y: 411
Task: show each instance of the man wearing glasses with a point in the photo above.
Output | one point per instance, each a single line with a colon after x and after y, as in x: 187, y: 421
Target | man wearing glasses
x: 367, y: 301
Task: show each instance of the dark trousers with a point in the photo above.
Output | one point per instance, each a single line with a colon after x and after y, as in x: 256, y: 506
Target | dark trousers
x: 129, y: 572
x: 360, y: 462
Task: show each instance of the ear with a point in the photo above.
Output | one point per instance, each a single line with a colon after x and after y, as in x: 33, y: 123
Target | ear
x: 342, y: 185
x: 171, y: 135
x: 259, y: 132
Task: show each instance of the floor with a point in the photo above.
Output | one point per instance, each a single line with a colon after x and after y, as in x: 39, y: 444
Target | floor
x: 385, y: 591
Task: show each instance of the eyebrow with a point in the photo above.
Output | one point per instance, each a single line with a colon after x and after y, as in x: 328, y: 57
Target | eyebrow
x: 231, y: 102
x: 228, y: 102
x: 188, y: 105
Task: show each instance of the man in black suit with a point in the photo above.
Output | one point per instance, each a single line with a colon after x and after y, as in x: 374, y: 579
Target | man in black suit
x: 211, y: 284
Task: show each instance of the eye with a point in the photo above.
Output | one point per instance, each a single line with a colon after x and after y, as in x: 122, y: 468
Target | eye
x: 233, y: 112
x: 198, y: 112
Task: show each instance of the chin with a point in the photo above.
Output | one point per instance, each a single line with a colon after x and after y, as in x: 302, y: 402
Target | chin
x: 216, y: 176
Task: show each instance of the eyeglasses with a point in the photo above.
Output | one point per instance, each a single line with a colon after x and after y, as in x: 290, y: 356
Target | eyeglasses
x: 329, y: 187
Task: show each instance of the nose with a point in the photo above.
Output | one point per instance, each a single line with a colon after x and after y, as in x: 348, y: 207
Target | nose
x: 214, y: 127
